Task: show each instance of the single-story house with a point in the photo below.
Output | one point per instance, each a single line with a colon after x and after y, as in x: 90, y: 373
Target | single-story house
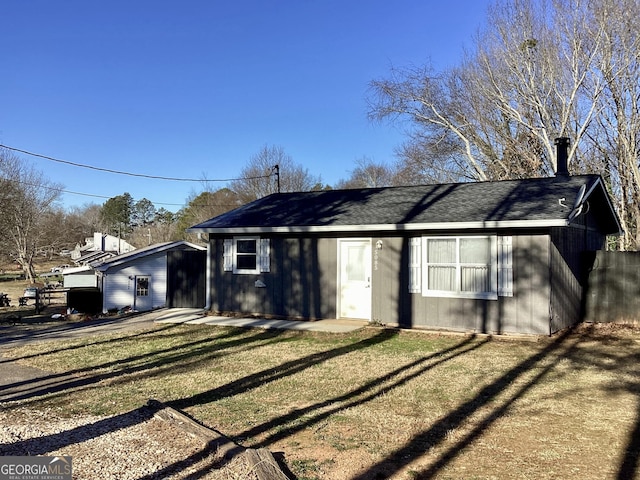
x: 490, y: 257
x: 100, y: 242
x: 167, y: 274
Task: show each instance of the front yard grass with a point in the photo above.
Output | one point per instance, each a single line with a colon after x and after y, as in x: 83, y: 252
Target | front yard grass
x: 377, y: 403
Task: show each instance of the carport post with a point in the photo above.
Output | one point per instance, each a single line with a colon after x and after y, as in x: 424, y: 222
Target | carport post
x: 38, y: 300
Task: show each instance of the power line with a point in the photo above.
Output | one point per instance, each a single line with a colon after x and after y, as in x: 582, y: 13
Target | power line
x: 62, y: 190
x: 118, y: 172
x: 104, y: 196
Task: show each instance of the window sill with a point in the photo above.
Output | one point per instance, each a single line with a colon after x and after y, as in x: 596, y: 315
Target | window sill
x: 246, y: 272
x: 473, y: 296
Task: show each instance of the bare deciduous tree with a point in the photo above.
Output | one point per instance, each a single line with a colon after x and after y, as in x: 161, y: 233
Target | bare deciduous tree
x: 430, y: 159
x: 26, y: 201
x: 368, y: 174
x: 259, y: 179
x: 616, y: 133
x: 540, y: 70
x: 77, y: 224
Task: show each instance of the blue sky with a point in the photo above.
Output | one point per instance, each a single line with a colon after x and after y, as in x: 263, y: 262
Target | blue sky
x: 194, y: 88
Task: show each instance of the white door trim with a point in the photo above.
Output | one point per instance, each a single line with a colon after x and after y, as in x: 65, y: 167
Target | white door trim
x: 359, y: 291
x: 146, y: 301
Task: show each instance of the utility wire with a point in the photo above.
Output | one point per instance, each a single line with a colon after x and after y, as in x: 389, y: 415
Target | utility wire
x: 104, y: 196
x: 118, y: 172
x: 62, y: 190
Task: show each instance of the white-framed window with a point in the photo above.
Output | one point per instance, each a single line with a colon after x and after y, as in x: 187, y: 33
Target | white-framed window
x: 142, y: 286
x: 246, y: 255
x: 461, y: 266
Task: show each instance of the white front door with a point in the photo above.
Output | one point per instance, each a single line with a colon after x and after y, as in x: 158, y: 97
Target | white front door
x: 142, y: 301
x: 354, y: 278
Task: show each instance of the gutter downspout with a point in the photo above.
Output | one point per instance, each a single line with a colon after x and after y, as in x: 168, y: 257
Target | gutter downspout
x: 208, y: 276
x: 550, y: 289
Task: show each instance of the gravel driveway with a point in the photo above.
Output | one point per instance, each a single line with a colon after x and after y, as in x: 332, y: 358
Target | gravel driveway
x: 132, y: 445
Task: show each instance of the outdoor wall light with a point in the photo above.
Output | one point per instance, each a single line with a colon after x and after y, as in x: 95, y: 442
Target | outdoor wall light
x: 379, y: 245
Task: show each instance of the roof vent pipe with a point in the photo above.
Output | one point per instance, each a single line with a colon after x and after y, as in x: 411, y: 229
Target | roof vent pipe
x: 562, y: 157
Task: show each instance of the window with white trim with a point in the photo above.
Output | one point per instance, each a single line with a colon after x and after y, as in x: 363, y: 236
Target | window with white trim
x: 246, y: 255
x: 461, y: 266
x: 142, y: 286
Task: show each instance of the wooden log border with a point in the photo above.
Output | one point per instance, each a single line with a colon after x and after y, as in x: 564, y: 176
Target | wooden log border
x: 261, y: 460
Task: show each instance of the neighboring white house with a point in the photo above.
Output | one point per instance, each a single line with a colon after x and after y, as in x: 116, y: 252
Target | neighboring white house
x: 100, y: 242
x: 95, y: 250
x: 138, y: 279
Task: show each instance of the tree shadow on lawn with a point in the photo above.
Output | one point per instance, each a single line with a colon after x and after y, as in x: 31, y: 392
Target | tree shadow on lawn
x: 626, y: 356
x: 42, y: 445
x: 629, y: 464
x: 209, y: 348
x: 563, y: 346
x: 542, y: 364
x: 436, y: 434
x: 348, y: 400
x: 175, y: 359
x: 129, y: 336
x: 181, y: 358
x: 360, y: 395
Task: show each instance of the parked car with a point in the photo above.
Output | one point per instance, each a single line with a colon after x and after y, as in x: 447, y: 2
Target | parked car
x: 60, y: 268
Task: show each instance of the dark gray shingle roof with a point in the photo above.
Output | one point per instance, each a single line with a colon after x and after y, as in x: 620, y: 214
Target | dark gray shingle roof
x: 143, y: 252
x: 536, y: 200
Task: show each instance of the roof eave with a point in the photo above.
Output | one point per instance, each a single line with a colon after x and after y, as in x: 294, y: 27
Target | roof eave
x: 137, y: 254
x: 479, y: 225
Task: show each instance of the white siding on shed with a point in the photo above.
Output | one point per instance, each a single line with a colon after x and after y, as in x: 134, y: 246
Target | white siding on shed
x: 119, y: 286
x: 81, y: 279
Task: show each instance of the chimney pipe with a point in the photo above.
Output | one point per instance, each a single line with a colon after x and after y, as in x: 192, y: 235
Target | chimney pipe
x: 562, y: 162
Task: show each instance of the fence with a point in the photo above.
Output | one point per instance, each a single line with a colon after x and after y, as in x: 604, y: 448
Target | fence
x: 613, y: 293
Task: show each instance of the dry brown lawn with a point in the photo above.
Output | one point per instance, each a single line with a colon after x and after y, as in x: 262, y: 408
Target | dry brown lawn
x: 377, y: 403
